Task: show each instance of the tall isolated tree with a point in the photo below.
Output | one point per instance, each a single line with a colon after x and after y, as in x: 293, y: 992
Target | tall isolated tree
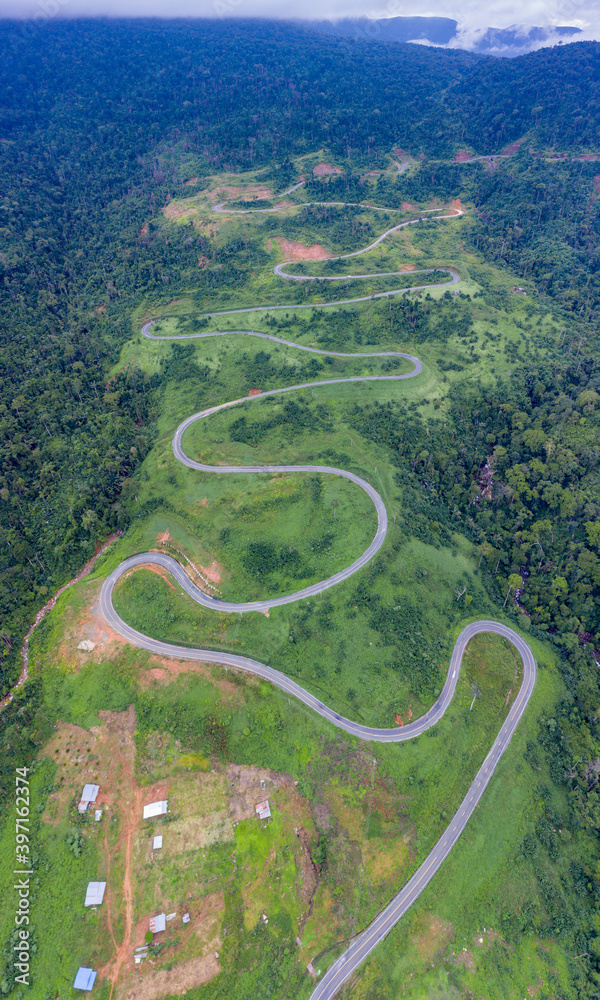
x: 515, y: 581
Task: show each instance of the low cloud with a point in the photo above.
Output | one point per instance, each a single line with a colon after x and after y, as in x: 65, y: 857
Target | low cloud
x: 472, y: 16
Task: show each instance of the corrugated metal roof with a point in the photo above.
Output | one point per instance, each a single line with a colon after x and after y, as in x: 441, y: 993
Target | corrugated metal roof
x: 155, y: 809
x: 90, y: 793
x: 157, y: 843
x: 263, y: 809
x: 85, y: 979
x: 158, y: 923
x: 95, y: 893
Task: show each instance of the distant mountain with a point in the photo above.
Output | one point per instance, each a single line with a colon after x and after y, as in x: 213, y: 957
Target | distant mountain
x: 446, y: 33
x: 513, y: 41
x: 437, y: 30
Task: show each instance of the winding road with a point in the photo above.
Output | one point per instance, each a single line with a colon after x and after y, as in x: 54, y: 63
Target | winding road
x: 280, y: 271
x: 364, y: 943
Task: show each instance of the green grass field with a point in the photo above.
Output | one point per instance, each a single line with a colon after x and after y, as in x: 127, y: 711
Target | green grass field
x: 374, y: 648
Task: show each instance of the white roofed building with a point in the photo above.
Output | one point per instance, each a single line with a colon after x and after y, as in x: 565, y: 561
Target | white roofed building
x: 89, y: 794
x: 158, y: 923
x: 95, y: 893
x: 263, y: 809
x: 155, y: 809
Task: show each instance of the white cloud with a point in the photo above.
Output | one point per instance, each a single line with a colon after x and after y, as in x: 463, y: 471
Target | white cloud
x: 471, y: 16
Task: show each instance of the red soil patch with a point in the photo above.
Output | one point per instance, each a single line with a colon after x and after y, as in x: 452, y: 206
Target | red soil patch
x: 325, y: 170
x: 513, y: 147
x: 179, y: 209
x: 399, y: 721
x: 589, y: 156
x: 163, y: 537
x: 118, y: 733
x: 212, y: 572
x: 144, y: 230
x: 255, y: 392
x: 408, y: 207
x: 408, y: 267
x: 203, y: 262
x: 154, y: 674
x: 167, y: 670
x: 101, y: 309
x: 462, y: 155
x: 250, y: 192
x: 466, y: 958
x: 457, y: 204
x: 204, y: 503
x: 298, y: 251
x: 156, y: 793
x: 192, y: 180
x: 104, y: 638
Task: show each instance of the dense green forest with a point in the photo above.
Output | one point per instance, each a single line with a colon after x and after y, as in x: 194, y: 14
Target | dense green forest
x: 103, y: 123
x: 75, y: 199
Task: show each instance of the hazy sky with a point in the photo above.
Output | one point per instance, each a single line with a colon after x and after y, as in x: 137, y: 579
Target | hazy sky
x: 470, y: 14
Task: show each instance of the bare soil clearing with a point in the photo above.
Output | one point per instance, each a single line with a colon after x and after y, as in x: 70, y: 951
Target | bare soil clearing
x: 247, y: 192
x: 174, y: 982
x: 293, y: 250
x: 431, y: 935
x: 89, y: 624
x: 325, y: 170
x: 513, y: 147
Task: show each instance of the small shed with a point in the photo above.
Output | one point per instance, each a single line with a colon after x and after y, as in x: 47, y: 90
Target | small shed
x: 95, y: 893
x: 85, y: 979
x: 263, y: 809
x: 155, y: 809
x: 158, y: 923
x: 157, y: 843
x: 98, y: 815
x: 89, y: 794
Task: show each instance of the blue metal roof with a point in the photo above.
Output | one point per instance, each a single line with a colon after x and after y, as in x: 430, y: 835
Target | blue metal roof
x: 85, y: 979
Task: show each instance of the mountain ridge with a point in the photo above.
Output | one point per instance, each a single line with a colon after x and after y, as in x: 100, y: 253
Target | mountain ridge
x: 445, y: 32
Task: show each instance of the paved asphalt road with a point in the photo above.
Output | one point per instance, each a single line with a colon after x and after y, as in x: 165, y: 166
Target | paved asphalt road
x: 364, y: 943
x: 380, y: 534
x: 454, y: 213
x: 361, y: 946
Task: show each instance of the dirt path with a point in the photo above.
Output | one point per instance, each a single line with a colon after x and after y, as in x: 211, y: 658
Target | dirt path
x: 130, y: 800
x: 108, y: 906
x: 133, y: 820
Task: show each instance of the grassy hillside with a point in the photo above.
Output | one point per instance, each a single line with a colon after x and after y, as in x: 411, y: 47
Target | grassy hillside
x: 487, y: 462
